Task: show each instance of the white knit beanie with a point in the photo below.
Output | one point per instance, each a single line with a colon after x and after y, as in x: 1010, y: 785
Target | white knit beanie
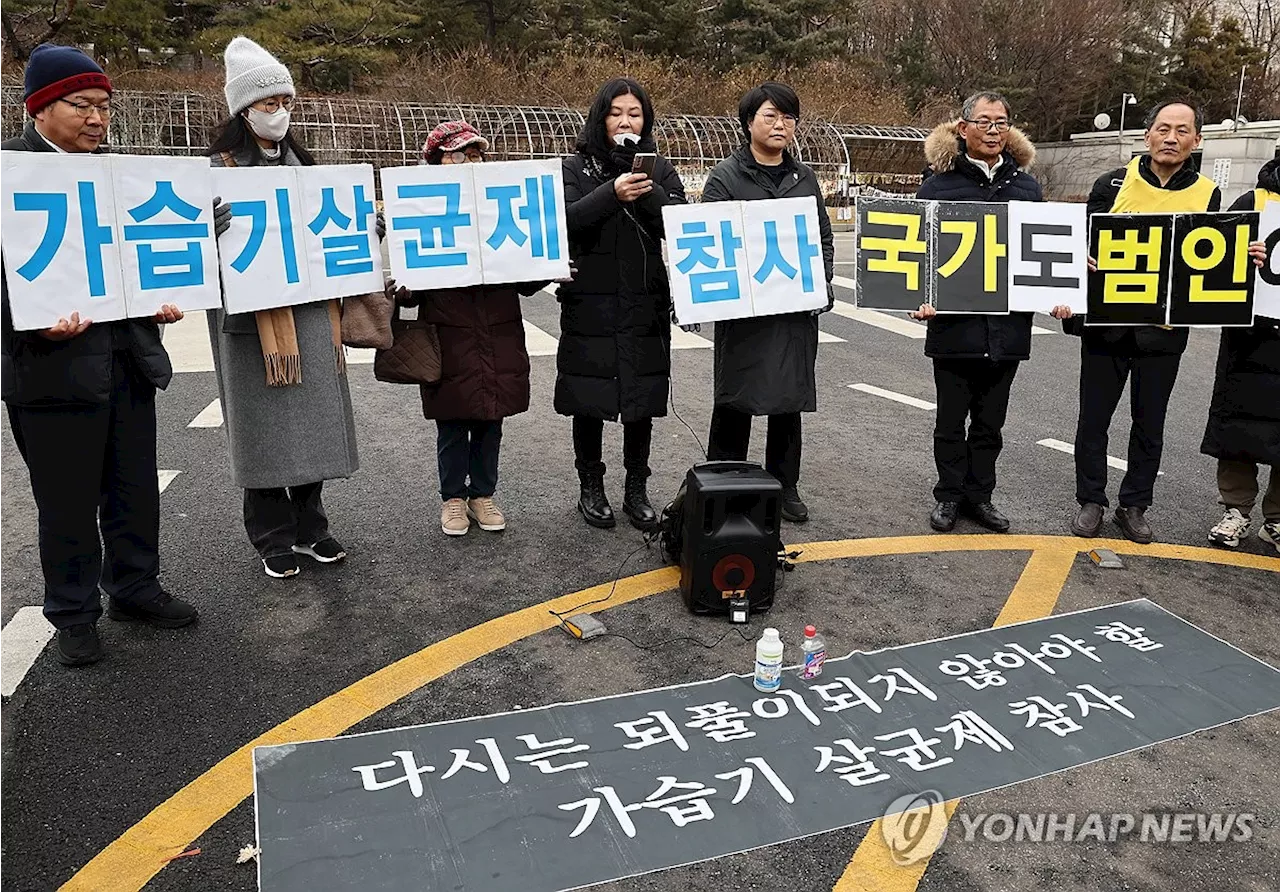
x: 253, y: 74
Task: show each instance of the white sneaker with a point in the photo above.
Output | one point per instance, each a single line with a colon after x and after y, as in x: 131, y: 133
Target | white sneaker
x: 453, y: 518
x: 1233, y: 527
x: 1270, y: 532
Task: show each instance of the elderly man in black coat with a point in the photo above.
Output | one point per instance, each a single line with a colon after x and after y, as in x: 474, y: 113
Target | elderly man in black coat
x: 765, y: 365
x: 980, y: 157
x: 82, y: 404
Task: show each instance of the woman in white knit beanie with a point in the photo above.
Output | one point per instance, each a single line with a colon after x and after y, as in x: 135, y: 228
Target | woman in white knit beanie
x: 281, y: 374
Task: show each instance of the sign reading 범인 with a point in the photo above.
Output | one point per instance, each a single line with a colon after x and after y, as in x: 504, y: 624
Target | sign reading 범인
x: 739, y: 259
x: 108, y: 236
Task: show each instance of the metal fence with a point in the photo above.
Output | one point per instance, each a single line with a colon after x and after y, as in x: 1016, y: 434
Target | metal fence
x: 343, y: 130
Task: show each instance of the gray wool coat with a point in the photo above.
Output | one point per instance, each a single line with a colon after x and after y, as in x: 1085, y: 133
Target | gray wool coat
x: 282, y: 436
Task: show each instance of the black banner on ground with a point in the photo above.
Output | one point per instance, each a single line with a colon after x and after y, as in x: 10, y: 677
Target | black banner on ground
x: 894, y: 270
x: 971, y: 258
x: 576, y: 794
x: 1213, y: 274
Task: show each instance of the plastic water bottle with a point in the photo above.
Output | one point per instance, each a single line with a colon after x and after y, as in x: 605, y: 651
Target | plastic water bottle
x: 769, y: 662
x: 815, y: 653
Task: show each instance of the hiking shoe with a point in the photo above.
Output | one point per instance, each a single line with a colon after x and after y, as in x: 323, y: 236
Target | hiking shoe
x: 793, y: 507
x: 987, y: 515
x: 943, y: 516
x: 486, y: 514
x: 1088, y: 520
x: 281, y: 566
x: 78, y: 645
x: 326, y: 551
x: 1233, y: 527
x: 1270, y: 532
x: 1134, y: 525
x: 453, y: 518
x: 163, y: 611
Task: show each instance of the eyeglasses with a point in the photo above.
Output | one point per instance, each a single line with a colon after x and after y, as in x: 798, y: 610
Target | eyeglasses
x: 464, y: 157
x: 772, y: 118
x: 85, y: 109
x: 271, y: 106
x: 1000, y: 126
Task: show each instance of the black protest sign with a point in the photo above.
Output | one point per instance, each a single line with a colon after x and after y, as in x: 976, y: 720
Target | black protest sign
x: 1213, y: 274
x: 971, y: 257
x: 893, y: 254
x: 1131, y: 286
x: 577, y: 794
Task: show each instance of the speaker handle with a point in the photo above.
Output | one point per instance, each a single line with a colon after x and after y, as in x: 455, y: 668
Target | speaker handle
x: 728, y: 466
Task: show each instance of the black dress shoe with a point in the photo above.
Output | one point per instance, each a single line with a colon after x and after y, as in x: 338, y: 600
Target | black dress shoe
x: 78, y: 645
x: 1133, y: 523
x: 635, y: 503
x: 943, y: 518
x: 1088, y: 520
x: 987, y: 515
x: 163, y: 611
x: 594, y: 505
x: 793, y: 507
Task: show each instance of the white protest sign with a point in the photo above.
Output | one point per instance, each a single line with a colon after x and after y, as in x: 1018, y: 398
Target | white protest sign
x: 784, y: 255
x: 1048, y: 256
x: 264, y: 260
x: 343, y: 254
x: 1266, y: 297
x: 524, y: 234
x: 707, y: 262
x: 432, y: 235
x: 164, y: 215
x: 61, y: 253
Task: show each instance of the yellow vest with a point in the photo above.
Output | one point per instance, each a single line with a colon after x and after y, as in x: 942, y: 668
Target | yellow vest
x: 1262, y: 196
x: 1137, y: 196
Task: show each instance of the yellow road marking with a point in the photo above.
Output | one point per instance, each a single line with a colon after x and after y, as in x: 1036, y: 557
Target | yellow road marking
x: 128, y: 863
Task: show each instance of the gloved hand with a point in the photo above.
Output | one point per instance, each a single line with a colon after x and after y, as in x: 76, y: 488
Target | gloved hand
x: 221, y: 217
x: 380, y: 226
x: 831, y: 302
x: 695, y: 328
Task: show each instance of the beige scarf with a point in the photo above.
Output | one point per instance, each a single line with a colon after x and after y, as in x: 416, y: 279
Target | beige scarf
x: 279, y: 337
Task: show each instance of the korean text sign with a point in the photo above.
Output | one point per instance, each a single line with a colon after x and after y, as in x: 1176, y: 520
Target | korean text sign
x: 1267, y: 298
x: 737, y: 259
x: 453, y: 225
x: 108, y: 236
x: 576, y: 794
x: 298, y: 234
x: 1173, y: 269
x: 970, y: 257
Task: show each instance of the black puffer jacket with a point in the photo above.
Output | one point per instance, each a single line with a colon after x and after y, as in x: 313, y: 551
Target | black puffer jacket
x: 614, y: 359
x: 952, y: 176
x: 40, y: 372
x: 1244, y: 415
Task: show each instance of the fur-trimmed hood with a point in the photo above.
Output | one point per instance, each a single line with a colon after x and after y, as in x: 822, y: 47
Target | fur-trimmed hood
x: 943, y: 146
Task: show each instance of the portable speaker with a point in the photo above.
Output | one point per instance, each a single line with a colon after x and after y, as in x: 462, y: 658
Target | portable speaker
x: 731, y: 516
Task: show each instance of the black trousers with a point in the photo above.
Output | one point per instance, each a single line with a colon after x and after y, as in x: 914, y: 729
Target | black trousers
x: 730, y: 440
x: 93, y: 473
x: 468, y: 449
x: 1102, y: 378
x: 278, y: 519
x: 976, y: 392
x: 588, y: 445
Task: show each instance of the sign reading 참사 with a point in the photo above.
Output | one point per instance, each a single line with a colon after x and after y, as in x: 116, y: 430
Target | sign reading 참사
x: 576, y: 794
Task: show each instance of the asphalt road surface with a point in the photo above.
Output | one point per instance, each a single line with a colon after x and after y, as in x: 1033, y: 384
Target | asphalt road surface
x: 90, y: 752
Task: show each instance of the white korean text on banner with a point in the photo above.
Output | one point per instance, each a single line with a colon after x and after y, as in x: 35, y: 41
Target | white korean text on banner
x: 784, y: 255
x: 520, y: 213
x: 164, y: 215
x: 343, y: 254
x: 453, y: 225
x: 1048, y: 260
x: 737, y: 259
x: 1267, y: 296
x: 707, y: 262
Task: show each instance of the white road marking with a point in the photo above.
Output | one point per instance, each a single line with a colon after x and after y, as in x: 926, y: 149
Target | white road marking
x: 896, y: 324
x: 166, y: 477
x: 210, y: 416
x: 538, y: 341
x: 1118, y: 463
x: 896, y: 397
x: 187, y: 342
x: 20, y: 643
x: 828, y: 338
x: 687, y: 340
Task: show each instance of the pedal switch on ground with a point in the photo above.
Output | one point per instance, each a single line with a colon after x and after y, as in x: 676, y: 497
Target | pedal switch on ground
x: 584, y: 626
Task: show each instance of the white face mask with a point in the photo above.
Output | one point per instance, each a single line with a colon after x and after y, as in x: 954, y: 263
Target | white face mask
x: 623, y: 139
x: 268, y: 126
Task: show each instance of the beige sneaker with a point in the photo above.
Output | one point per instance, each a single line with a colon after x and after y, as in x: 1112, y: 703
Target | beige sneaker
x: 486, y: 514
x: 453, y: 518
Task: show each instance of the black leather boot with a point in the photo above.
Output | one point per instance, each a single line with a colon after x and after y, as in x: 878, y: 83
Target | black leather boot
x: 593, y: 503
x: 635, y: 502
